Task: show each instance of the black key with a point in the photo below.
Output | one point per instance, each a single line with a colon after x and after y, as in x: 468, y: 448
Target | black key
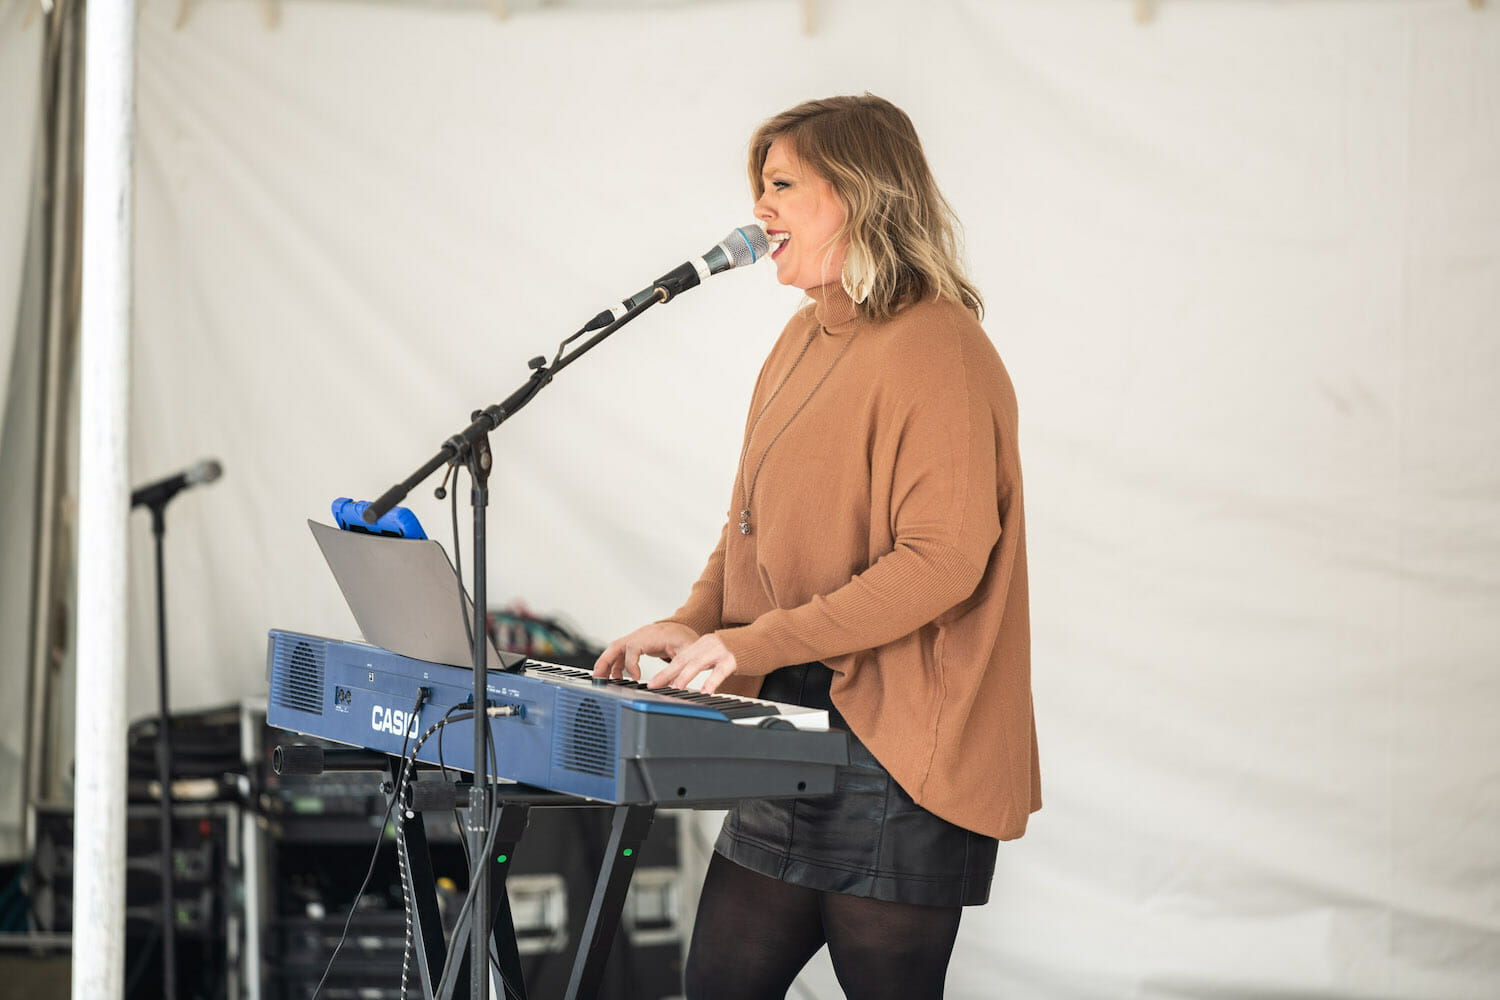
x: 748, y: 710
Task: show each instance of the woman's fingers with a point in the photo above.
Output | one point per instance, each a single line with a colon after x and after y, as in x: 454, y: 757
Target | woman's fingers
x: 622, y: 657
x: 706, y: 654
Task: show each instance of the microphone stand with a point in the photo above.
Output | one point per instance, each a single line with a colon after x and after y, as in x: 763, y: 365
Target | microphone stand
x: 164, y: 762
x: 471, y: 446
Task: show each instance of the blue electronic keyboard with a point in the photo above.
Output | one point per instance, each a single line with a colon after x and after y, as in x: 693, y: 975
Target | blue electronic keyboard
x: 567, y: 731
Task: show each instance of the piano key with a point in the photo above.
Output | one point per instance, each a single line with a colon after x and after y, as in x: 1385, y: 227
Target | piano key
x: 736, y: 708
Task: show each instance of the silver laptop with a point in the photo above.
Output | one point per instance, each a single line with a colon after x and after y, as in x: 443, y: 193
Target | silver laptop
x: 405, y: 595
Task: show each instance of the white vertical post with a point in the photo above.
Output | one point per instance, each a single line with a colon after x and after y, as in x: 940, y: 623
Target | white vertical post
x: 103, y: 502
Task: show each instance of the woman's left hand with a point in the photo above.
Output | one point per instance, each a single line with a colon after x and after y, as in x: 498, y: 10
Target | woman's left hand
x: 707, y: 653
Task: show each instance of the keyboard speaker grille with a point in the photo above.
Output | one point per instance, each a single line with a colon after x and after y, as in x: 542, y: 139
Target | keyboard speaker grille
x: 297, y: 675
x: 588, y: 734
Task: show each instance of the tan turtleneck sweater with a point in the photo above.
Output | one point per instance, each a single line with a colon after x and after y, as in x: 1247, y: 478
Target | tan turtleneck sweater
x: 887, y: 540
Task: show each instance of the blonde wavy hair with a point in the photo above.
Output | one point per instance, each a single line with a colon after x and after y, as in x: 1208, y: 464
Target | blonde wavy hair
x: 902, y: 235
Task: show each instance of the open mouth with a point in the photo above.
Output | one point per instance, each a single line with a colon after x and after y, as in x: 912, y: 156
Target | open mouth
x: 780, y: 240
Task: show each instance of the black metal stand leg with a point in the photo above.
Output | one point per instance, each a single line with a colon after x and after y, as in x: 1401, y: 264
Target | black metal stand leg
x: 509, y: 827
x: 627, y: 831
x: 164, y: 769
x: 427, y: 929
x: 431, y: 950
x: 500, y: 927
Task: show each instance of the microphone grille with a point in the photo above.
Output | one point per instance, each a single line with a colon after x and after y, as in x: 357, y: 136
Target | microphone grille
x: 746, y: 245
x: 205, y: 471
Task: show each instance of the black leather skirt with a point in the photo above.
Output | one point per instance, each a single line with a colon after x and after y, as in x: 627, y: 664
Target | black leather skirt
x: 867, y: 838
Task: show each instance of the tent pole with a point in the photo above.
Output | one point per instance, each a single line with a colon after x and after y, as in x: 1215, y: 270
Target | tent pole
x: 103, y: 502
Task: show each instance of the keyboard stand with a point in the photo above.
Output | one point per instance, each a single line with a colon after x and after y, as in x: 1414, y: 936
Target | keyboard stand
x: 628, y: 829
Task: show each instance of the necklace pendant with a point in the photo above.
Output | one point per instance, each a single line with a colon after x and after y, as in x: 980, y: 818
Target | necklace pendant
x: 744, y: 522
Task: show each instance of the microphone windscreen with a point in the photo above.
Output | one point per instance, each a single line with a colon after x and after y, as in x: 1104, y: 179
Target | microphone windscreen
x: 746, y: 245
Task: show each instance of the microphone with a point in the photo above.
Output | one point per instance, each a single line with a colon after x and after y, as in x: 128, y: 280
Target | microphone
x: 744, y: 245
x: 158, y: 493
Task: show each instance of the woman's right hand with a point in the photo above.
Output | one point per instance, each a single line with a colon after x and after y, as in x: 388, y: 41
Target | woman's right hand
x: 660, y: 639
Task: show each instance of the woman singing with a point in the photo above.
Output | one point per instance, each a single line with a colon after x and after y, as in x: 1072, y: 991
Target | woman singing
x: 873, y: 564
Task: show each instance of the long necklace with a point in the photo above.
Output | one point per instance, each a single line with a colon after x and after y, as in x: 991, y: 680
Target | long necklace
x: 748, y: 492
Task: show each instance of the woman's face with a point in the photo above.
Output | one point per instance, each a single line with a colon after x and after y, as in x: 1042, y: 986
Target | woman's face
x: 800, y: 214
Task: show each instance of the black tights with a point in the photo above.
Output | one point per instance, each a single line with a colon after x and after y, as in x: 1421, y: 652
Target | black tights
x: 754, y: 934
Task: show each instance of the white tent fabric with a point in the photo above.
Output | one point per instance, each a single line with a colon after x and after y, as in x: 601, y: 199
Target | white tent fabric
x: 1243, y: 264
x: 20, y: 68
x: 20, y: 52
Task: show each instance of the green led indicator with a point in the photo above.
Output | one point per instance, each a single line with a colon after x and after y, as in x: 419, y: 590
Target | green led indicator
x: 629, y: 851
x: 502, y: 859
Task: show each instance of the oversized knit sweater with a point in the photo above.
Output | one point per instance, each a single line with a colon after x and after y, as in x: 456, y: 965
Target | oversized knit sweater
x: 887, y: 541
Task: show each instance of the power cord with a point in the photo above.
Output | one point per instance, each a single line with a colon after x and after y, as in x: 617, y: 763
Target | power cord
x: 422, y: 695
x: 408, y: 890
x: 475, y: 871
